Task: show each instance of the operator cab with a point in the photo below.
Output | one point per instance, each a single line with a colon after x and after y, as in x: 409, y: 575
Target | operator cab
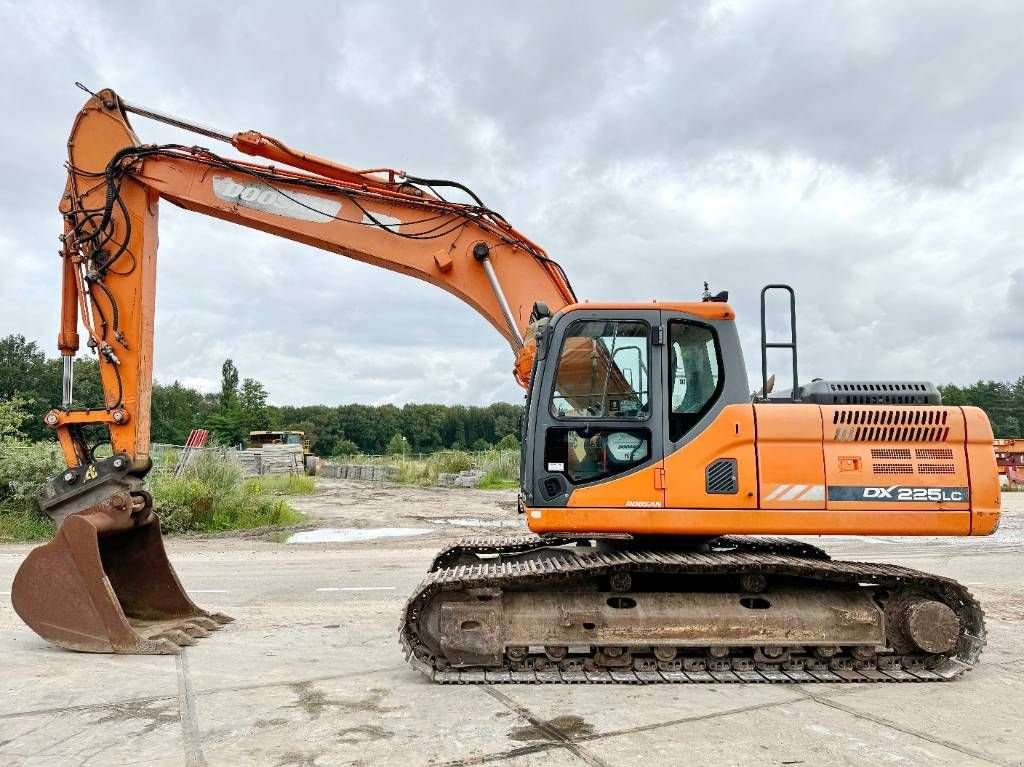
x: 618, y: 387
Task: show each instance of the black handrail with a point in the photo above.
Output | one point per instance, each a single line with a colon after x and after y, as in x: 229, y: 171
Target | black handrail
x: 791, y: 345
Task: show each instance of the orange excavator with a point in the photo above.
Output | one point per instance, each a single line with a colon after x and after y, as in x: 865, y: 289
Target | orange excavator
x: 654, y: 486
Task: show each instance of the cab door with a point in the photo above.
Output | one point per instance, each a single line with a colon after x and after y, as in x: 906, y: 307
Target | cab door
x: 599, y: 414
x: 710, y: 458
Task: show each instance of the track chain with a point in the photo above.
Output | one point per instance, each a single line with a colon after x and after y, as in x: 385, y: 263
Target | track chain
x: 450, y: 555
x: 572, y: 566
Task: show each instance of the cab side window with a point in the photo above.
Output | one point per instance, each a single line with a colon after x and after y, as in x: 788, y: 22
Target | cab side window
x: 695, y: 381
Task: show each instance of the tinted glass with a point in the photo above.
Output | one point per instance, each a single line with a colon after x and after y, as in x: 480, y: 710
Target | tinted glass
x: 603, y: 370
x: 593, y: 454
x: 694, y: 374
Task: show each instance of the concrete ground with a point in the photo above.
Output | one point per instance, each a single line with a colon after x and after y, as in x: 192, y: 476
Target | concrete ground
x: 311, y: 673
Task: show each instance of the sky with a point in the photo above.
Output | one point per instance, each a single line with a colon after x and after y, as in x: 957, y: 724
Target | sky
x: 870, y: 154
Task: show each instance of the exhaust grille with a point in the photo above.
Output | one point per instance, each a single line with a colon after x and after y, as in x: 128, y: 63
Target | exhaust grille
x: 721, y: 477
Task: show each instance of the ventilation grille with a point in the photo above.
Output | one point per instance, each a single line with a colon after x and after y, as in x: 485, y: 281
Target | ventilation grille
x: 721, y: 477
x: 892, y: 468
x: 891, y: 453
x: 934, y: 453
x: 935, y: 468
x: 928, y: 424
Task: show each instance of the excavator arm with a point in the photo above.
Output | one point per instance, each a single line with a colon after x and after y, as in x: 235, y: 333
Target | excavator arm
x: 117, y: 590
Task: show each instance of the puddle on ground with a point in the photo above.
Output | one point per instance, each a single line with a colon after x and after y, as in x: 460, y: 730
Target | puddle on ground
x: 568, y: 726
x: 350, y: 534
x: 464, y: 522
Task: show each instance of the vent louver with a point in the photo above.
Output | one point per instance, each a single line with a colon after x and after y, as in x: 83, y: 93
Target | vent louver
x: 721, y: 477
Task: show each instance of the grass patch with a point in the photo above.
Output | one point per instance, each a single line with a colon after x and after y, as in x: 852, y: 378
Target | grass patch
x: 487, y: 483
x: 24, y: 525
x: 500, y: 467
x: 292, y: 484
x: 211, y: 496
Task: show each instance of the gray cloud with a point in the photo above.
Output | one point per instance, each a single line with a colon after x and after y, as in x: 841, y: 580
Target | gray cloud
x: 870, y: 154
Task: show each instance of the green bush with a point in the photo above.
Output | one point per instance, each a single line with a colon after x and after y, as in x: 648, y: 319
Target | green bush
x: 508, y: 442
x: 210, y: 495
x: 24, y: 469
x: 344, y: 447
x: 450, y: 462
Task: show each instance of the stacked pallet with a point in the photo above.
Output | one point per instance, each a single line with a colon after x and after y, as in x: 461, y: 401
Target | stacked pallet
x: 249, y: 461
x: 281, y: 459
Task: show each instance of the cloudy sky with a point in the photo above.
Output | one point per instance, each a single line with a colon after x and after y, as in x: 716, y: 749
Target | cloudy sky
x: 870, y: 154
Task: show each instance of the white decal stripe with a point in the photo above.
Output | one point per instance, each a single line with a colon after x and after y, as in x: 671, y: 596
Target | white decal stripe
x: 815, y: 493
x: 388, y: 222
x: 774, y: 493
x: 297, y: 205
x: 793, y: 492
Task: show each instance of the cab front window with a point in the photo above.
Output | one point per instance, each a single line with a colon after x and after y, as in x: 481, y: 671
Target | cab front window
x: 603, y: 371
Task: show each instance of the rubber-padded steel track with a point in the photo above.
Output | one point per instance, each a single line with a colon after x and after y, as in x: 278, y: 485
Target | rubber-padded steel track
x: 567, y: 566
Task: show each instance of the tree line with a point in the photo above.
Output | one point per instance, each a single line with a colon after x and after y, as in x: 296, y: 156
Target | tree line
x: 241, y: 406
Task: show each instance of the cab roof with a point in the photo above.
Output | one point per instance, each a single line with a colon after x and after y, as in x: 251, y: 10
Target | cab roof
x: 711, y: 310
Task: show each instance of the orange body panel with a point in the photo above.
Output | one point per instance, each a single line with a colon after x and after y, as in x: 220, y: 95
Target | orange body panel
x: 731, y: 435
x: 804, y: 454
x: 984, y: 474
x: 642, y: 488
x: 910, y: 447
x: 747, y: 522
x: 791, y: 472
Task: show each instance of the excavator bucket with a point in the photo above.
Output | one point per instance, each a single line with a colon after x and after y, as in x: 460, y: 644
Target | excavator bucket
x: 100, y: 586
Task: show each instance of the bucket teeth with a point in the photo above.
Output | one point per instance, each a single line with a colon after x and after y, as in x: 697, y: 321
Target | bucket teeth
x: 194, y: 630
x: 165, y: 647
x: 221, y: 618
x: 205, y: 623
x: 178, y: 637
